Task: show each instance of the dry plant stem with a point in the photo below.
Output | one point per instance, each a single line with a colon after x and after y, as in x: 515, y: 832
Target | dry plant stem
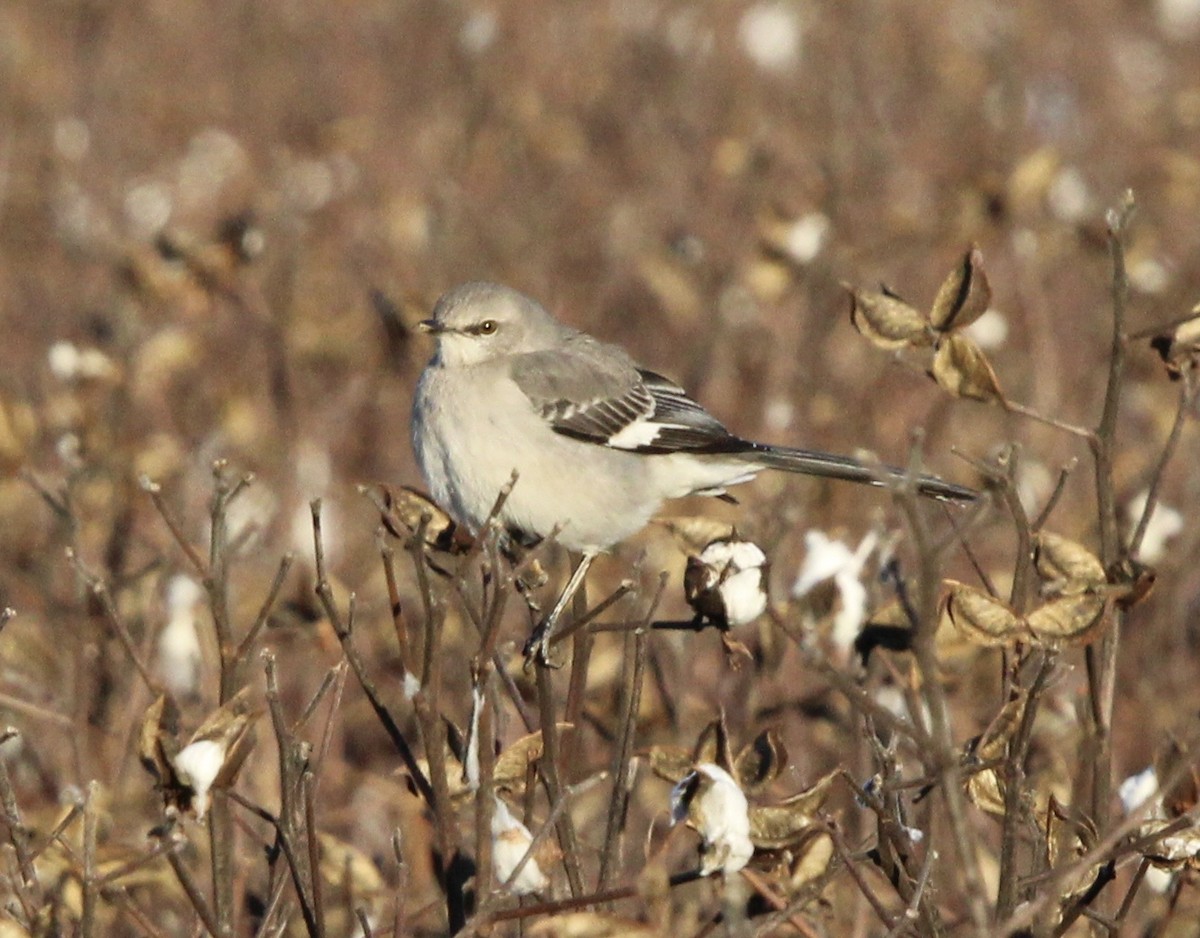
x: 191, y: 888
x: 293, y: 763
x: 288, y: 846
x: 433, y: 737
x: 581, y: 659
x: 549, y: 766
x: 387, y: 554
x: 942, y: 759
x: 264, y: 612
x: 342, y: 630
x: 154, y: 490
x: 1110, y: 847
x: 851, y: 866
x: 774, y: 900
x: 216, y: 582
x: 364, y: 923
x: 1060, y: 486
x: 1015, y: 790
x: 633, y: 670
x: 87, y: 922
x: 117, y: 895
x: 484, y: 805
x: 484, y: 914
x: 1102, y: 656
x: 119, y: 629
x: 35, y: 711
x: 1187, y: 392
x: 911, y: 911
x: 308, y: 786
x: 849, y: 688
x: 586, y: 618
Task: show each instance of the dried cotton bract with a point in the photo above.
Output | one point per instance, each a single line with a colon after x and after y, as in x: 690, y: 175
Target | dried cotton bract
x: 510, y: 842
x: 716, y: 808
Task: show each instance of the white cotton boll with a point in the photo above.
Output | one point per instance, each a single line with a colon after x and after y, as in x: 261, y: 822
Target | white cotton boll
x: 1165, y: 524
x: 197, y: 766
x: 726, y: 583
x: 718, y: 811
x: 179, y: 657
x: 827, y: 559
x: 1159, y: 880
x: 824, y: 557
x: 1137, y: 789
x: 63, y: 359
x: 769, y: 33
x: 510, y: 842
x: 805, y: 237
x: 1069, y: 198
x: 411, y: 686
x: 989, y: 331
x: 1149, y: 275
x: 68, y: 362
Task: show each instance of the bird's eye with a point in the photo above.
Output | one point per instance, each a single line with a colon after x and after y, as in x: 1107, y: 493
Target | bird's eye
x: 488, y: 327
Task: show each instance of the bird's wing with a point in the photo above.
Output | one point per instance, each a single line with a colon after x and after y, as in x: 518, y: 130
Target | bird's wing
x: 595, y: 393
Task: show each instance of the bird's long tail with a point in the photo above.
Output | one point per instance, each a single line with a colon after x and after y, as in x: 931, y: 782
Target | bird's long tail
x: 813, y: 463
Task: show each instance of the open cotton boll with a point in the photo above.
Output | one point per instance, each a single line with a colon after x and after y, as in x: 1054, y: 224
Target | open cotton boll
x: 1137, y: 789
x: 510, y: 842
x: 197, y: 766
x: 827, y: 559
x: 726, y: 583
x: 716, y: 808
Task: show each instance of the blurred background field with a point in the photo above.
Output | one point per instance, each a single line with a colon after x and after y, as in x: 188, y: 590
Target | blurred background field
x: 219, y: 223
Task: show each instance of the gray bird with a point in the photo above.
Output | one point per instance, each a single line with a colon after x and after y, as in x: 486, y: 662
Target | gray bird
x: 598, y: 442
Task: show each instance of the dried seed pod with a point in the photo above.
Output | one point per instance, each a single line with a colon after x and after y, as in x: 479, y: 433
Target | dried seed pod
x: 982, y: 619
x: 886, y: 320
x: 1068, y: 620
x: 960, y: 367
x: 1070, y: 565
x: 788, y: 822
x: 402, y: 510
x: 760, y: 761
x: 964, y: 295
x: 726, y: 583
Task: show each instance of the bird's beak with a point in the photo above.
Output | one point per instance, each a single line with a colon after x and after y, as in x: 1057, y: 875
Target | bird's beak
x: 431, y: 327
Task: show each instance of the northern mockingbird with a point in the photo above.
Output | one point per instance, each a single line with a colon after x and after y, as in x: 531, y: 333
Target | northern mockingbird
x: 598, y: 442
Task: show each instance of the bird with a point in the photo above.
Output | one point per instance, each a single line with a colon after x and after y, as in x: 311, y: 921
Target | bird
x: 597, y: 442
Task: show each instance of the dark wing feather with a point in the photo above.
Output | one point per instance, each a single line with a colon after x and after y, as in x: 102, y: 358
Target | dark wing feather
x: 594, y: 393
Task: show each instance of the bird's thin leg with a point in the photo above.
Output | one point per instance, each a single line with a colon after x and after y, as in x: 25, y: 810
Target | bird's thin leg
x: 538, y: 645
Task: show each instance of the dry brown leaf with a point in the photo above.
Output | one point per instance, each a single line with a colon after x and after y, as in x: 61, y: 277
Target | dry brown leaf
x: 964, y: 295
x: 1068, y: 620
x: 982, y: 619
x: 886, y: 320
x: 960, y: 367
x: 1060, y: 559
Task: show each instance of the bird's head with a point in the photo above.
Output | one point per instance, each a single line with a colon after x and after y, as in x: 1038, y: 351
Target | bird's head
x: 477, y: 322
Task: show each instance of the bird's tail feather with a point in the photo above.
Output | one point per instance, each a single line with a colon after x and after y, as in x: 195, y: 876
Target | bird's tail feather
x: 810, y: 462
